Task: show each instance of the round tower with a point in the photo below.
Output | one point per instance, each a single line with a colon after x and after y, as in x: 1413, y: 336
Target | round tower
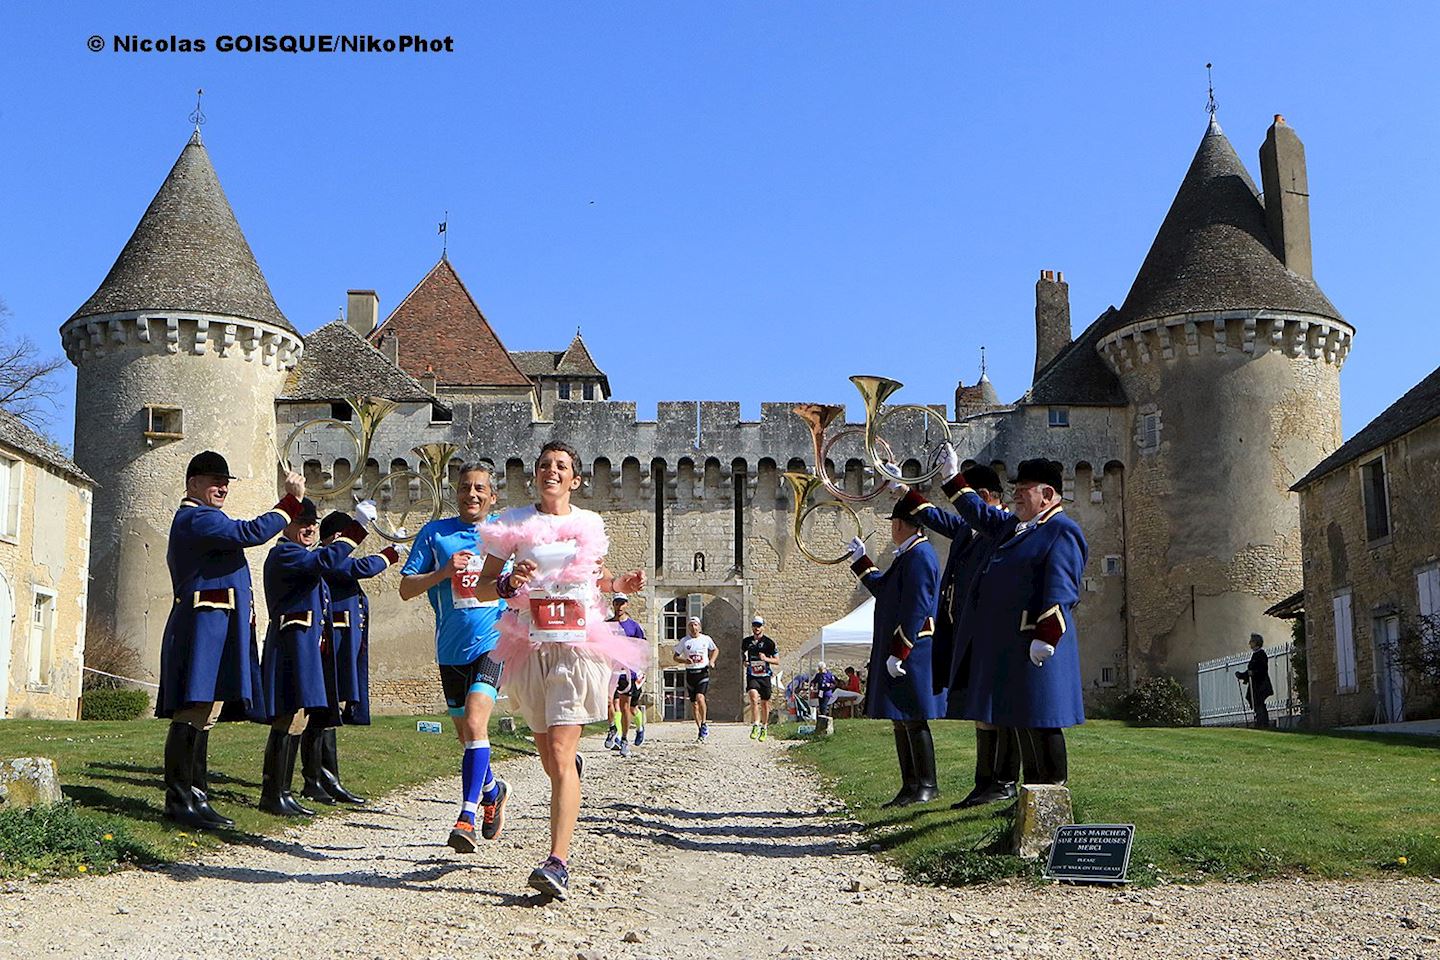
x: 1230, y: 356
x: 181, y: 349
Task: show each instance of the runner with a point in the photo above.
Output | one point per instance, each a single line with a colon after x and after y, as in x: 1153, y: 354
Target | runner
x: 761, y: 658
x: 558, y: 651
x: 626, y: 701
x: 698, y: 652
x: 445, y: 563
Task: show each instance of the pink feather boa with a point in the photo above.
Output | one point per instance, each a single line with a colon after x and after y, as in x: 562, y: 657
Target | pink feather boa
x: 602, y: 640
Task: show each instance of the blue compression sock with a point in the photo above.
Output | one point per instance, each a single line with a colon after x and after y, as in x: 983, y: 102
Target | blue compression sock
x: 474, y: 771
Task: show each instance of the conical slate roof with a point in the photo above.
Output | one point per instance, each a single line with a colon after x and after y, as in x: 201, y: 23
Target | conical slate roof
x: 187, y: 253
x: 339, y: 363
x: 577, y: 360
x: 1213, y: 251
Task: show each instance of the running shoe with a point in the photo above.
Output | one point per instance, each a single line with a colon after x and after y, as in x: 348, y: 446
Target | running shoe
x: 639, y: 736
x: 462, y: 837
x: 704, y: 730
x: 610, y: 739
x: 624, y: 748
x: 754, y: 731
x: 551, y: 878
x: 763, y: 732
x: 494, y: 813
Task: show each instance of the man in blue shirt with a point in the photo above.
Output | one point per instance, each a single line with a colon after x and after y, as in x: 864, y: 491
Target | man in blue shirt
x: 445, y: 563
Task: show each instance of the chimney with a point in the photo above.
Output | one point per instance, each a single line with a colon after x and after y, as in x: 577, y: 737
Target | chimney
x: 1052, y: 317
x: 389, y: 345
x: 1287, y: 196
x: 362, y: 310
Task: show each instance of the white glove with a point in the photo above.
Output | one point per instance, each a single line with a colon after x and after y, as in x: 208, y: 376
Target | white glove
x: 894, y: 667
x: 891, y: 473
x: 1040, y: 651
x: 366, y: 512
x: 857, y: 549
x: 949, y: 461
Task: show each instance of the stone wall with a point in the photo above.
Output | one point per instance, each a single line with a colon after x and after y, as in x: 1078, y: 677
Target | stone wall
x: 1380, y: 574
x: 49, y: 553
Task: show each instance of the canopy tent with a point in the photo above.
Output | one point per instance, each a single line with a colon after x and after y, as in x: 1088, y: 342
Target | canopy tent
x: 846, y: 640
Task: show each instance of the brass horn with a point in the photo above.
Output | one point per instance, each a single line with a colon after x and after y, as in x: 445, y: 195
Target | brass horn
x: 818, y: 417
x: 434, y: 465
x: 874, y: 391
x: 803, y: 486
x: 369, y: 411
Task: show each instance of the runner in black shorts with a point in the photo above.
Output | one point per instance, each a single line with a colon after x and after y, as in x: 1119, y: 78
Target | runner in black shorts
x: 699, y: 653
x: 761, y: 658
x: 460, y: 680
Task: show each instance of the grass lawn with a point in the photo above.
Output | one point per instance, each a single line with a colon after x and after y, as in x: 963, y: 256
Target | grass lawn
x: 1206, y: 803
x: 111, y: 774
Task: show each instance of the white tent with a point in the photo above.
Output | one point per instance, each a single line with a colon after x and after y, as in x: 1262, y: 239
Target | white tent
x: 847, y: 640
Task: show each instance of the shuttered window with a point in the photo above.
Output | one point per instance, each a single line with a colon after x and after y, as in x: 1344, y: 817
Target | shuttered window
x: 1427, y: 586
x: 1344, y: 644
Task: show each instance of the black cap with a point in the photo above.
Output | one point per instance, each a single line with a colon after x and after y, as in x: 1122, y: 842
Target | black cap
x: 208, y: 464
x: 981, y: 477
x: 308, y: 512
x: 334, y: 522
x: 898, y: 512
x: 1040, y: 470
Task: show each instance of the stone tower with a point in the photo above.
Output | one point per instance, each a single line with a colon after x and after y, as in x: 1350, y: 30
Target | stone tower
x: 1230, y: 355
x: 181, y: 349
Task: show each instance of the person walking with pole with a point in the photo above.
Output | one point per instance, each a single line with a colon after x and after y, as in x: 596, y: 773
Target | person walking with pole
x: 1256, y: 677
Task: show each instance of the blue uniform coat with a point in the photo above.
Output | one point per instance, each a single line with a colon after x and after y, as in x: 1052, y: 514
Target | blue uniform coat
x: 350, y: 630
x: 1031, y: 574
x: 298, y: 665
x: 208, y: 652
x: 969, y: 552
x: 905, y: 598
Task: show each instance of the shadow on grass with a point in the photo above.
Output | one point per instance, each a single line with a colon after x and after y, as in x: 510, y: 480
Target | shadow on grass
x: 156, y: 775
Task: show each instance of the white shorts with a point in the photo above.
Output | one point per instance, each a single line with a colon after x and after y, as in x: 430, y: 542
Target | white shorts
x: 557, y: 685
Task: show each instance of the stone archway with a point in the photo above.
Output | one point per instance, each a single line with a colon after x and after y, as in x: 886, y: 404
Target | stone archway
x: 722, y: 621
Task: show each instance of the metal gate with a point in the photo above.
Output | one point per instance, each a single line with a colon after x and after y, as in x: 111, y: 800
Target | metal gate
x: 1222, y: 696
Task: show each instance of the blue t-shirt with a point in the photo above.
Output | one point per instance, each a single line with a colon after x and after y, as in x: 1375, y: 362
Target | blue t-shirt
x: 824, y: 684
x: 460, y: 635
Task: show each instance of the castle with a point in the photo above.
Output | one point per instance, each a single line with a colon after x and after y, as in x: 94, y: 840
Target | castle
x: 1180, y: 419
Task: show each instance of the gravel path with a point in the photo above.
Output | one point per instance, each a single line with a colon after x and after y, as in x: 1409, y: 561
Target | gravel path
x: 678, y: 856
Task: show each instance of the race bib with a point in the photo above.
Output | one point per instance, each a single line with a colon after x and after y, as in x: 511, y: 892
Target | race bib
x: 464, y: 583
x: 557, y: 616
x: 759, y: 668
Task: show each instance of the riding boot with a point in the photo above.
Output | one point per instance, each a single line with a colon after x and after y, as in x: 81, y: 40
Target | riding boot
x: 985, y: 750
x: 179, y: 798
x: 276, y: 747
x: 907, y: 767
x: 1030, y: 757
x: 287, y: 799
x: 312, y: 752
x: 922, y: 747
x: 1051, y: 743
x: 330, y: 769
x: 200, y: 781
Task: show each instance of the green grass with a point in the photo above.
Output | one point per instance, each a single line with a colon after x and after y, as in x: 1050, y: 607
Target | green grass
x: 111, y: 774
x: 1206, y: 803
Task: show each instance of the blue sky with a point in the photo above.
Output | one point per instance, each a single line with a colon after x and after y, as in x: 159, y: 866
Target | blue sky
x: 734, y: 201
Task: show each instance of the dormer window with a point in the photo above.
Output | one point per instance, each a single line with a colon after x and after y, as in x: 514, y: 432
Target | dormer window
x: 589, y: 391
x: 563, y: 391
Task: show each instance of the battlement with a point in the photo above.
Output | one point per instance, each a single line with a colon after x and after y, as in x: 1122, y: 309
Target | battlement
x: 1250, y: 332
x: 180, y: 332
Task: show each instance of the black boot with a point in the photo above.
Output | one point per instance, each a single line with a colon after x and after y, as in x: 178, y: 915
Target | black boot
x: 275, y: 746
x: 200, y: 781
x: 179, y: 798
x: 985, y: 748
x: 312, y: 753
x: 292, y: 750
x: 907, y: 767
x: 1056, y: 759
x: 330, y: 770
x: 922, y: 747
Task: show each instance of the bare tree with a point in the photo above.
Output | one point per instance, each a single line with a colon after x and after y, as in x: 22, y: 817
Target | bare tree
x: 27, y: 382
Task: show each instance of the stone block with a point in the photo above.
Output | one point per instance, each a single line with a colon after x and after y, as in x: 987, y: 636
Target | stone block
x: 28, y: 782
x: 824, y: 727
x: 1039, y: 812
x: 507, y: 724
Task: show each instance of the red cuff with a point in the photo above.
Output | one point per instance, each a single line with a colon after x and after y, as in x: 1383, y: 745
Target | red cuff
x: 899, y: 649
x: 353, y: 534
x: 391, y: 554
x: 290, y: 505
x: 1050, y: 627
x: 863, y: 566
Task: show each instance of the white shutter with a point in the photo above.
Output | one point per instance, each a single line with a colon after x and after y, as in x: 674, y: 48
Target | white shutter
x: 1344, y: 644
x: 1427, y: 587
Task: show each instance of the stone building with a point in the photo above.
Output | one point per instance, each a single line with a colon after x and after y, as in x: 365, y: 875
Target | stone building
x: 1372, y: 567
x: 1180, y: 420
x: 44, y: 574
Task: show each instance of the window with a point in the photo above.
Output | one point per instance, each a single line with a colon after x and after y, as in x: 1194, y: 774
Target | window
x: 1107, y: 676
x: 42, y: 630
x: 11, y: 473
x: 676, y: 613
x: 1344, y: 644
x: 1377, y: 505
x: 1427, y: 585
x: 1150, y: 431
x: 1112, y: 566
x: 588, y: 391
x: 342, y: 411
x: 1059, y: 416
x: 439, y: 414
x: 164, y: 423
x: 563, y: 391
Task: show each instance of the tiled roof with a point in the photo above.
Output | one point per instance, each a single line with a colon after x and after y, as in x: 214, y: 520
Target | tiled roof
x: 338, y: 363
x: 576, y: 360
x: 17, y: 436
x: 1418, y: 407
x: 536, y: 363
x: 1078, y: 375
x: 187, y: 253
x: 1213, y: 251
x: 439, y: 328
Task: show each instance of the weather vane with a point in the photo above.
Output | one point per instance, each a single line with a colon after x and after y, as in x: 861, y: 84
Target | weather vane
x: 198, y: 117
x: 1210, y: 107
x: 445, y: 243
x: 982, y: 363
